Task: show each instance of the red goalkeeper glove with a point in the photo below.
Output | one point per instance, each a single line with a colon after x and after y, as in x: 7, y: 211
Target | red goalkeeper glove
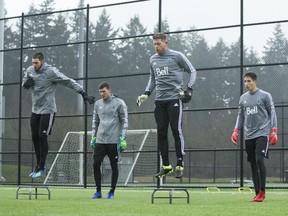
x: 234, y: 136
x: 273, y: 136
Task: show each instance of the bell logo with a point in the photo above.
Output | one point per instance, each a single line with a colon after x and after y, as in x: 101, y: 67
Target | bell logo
x: 161, y: 72
x: 252, y: 110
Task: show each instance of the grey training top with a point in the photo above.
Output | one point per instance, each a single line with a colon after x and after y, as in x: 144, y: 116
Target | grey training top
x: 110, y: 120
x: 43, y: 93
x: 257, y: 114
x: 166, y: 73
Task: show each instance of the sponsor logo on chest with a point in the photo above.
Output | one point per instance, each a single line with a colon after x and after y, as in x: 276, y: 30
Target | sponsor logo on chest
x: 161, y: 71
x: 251, y: 110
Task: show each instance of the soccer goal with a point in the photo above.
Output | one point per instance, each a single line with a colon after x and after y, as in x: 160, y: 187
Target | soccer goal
x: 137, y: 165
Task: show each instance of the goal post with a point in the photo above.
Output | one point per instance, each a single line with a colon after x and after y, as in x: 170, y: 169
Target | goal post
x: 137, y: 164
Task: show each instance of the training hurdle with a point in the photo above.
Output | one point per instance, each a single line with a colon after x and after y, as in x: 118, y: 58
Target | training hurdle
x: 170, y: 194
x: 33, y: 192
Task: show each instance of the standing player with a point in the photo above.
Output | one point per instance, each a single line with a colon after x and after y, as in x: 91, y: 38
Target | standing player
x: 42, y: 79
x: 109, y: 126
x: 166, y: 75
x: 258, y: 118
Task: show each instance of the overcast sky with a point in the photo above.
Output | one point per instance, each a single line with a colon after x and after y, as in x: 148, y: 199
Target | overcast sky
x: 184, y: 14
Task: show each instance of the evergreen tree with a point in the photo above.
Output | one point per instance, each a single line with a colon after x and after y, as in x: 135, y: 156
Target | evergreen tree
x: 220, y: 54
x: 273, y: 78
x: 102, y: 57
x: 276, y: 49
x: 135, y: 52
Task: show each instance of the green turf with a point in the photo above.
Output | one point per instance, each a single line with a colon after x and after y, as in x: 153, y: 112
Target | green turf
x: 74, y: 201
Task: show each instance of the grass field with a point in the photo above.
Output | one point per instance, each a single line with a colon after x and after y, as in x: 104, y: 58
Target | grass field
x: 132, y: 202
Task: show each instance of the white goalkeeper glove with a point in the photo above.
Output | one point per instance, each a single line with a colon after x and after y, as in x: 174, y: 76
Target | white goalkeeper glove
x: 141, y: 99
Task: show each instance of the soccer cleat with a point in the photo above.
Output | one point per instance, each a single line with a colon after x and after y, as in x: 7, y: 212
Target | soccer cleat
x: 30, y: 175
x: 179, y: 171
x: 110, y: 195
x: 254, y: 199
x: 38, y: 172
x: 164, y: 171
x: 260, y: 197
x: 97, y: 195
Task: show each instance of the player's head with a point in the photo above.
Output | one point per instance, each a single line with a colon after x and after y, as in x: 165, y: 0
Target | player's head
x: 37, y: 60
x: 160, y: 42
x: 250, y: 81
x: 105, y: 90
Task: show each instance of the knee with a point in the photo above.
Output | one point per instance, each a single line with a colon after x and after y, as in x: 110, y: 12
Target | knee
x: 96, y: 164
x: 114, y: 165
x: 260, y: 160
x: 253, y: 164
x: 43, y: 136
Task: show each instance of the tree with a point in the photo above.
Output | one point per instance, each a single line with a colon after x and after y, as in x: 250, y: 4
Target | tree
x: 135, y: 52
x: 276, y: 49
x: 220, y: 54
x: 102, y: 57
x: 134, y: 55
x: 273, y: 78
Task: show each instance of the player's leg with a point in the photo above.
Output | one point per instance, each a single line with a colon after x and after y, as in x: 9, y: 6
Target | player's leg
x: 46, y: 124
x: 98, y: 156
x: 262, y: 145
x: 113, y: 157
x: 250, y: 146
x: 45, y: 129
x: 34, y: 124
x: 162, y: 121
x: 175, y: 111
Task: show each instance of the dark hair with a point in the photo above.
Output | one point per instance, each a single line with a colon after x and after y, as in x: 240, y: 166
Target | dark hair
x: 39, y: 56
x: 104, y: 85
x: 252, y: 75
x: 159, y: 35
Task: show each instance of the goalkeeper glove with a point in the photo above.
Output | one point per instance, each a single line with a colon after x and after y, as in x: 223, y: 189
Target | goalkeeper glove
x: 122, y: 144
x: 87, y: 97
x: 93, y: 142
x: 186, y: 96
x: 29, y: 83
x: 273, y: 136
x: 235, y: 135
x: 142, y: 98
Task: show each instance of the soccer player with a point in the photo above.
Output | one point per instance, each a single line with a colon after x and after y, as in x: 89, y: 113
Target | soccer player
x: 167, y: 69
x: 42, y: 79
x: 258, y: 118
x: 109, y: 126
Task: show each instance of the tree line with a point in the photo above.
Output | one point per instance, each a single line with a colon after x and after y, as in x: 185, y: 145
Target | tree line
x: 125, y: 64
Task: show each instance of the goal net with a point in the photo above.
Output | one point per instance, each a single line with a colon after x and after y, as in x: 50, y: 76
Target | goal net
x: 138, y: 162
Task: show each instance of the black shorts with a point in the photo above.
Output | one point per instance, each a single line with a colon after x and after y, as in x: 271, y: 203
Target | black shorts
x: 256, y: 148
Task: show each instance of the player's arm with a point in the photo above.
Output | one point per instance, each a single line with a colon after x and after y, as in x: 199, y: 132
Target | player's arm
x: 95, y: 125
x: 62, y: 79
x: 238, y: 124
x: 148, y: 90
x: 186, y: 65
x: 123, y: 113
x: 273, y: 138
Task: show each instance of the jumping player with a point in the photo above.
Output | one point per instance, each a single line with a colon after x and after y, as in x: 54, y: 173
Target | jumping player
x: 167, y: 69
x: 42, y: 79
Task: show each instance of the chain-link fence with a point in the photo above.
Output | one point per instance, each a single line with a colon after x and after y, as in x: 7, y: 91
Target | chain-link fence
x: 113, y: 43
